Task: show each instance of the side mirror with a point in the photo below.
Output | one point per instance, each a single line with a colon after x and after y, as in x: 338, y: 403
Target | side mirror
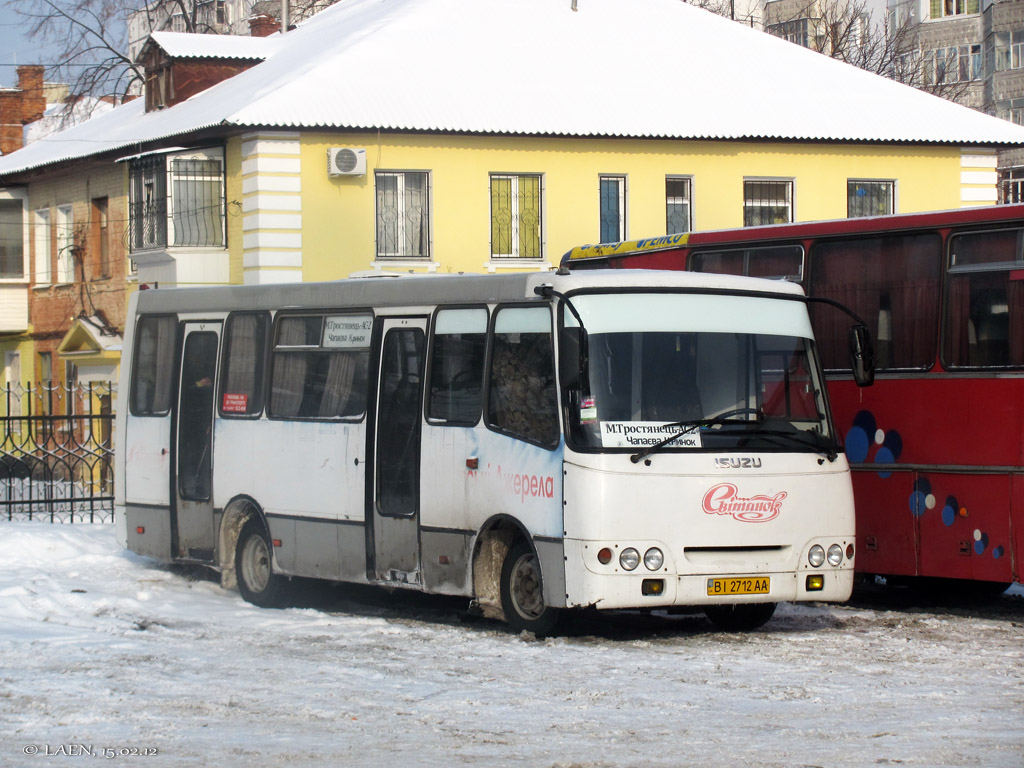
x: 862, y: 355
x: 573, y: 358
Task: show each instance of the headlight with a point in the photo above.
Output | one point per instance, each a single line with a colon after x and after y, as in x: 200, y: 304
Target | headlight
x: 835, y: 555
x: 816, y: 556
x: 629, y: 558
x: 654, y: 559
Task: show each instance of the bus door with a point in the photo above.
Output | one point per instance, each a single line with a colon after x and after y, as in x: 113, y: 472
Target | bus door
x: 192, y: 483
x: 396, y: 440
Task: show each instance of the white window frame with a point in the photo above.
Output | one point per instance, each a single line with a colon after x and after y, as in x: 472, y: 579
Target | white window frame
x: 65, y: 228
x: 21, y: 195
x: 514, y: 258
x: 621, y: 183
x: 211, y: 155
x: 859, y: 180
x: 688, y: 180
x: 43, y: 237
x: 400, y: 176
x: 762, y: 203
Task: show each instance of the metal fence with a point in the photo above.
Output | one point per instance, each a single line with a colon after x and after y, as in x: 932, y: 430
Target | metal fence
x: 56, y: 452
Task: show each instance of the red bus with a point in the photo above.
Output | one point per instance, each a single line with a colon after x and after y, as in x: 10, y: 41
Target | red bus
x: 936, y: 444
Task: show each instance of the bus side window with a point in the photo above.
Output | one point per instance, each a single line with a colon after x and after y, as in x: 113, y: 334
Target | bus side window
x: 245, y: 343
x: 985, y: 300
x: 457, y: 366
x: 320, y: 367
x: 521, y: 397
x: 892, y: 282
x: 153, y: 366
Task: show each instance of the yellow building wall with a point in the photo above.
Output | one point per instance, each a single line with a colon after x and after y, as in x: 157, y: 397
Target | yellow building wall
x: 338, y: 212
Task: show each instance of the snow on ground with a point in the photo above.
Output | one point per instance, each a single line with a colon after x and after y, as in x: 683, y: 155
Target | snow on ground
x: 102, y: 649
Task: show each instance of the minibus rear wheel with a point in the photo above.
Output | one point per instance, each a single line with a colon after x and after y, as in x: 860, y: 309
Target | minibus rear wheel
x: 742, y: 617
x: 257, y: 581
x: 522, y: 592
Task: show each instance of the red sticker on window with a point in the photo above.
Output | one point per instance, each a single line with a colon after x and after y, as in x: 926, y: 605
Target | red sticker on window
x: 235, y: 403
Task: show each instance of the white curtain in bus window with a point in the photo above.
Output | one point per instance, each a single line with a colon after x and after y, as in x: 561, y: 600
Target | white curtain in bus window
x: 985, y: 306
x: 521, y: 397
x: 245, y: 344
x: 457, y: 366
x: 153, y: 363
x: 892, y: 283
x: 320, y: 366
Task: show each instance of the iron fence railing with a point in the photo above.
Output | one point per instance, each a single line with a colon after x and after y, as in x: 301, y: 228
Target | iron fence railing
x: 56, y: 452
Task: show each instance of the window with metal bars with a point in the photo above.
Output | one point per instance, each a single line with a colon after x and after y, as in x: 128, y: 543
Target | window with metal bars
x: 613, y: 209
x: 677, y: 205
x: 403, y: 214
x: 767, y: 202
x: 177, y: 200
x: 870, y: 198
x: 515, y: 216
x: 1011, y: 185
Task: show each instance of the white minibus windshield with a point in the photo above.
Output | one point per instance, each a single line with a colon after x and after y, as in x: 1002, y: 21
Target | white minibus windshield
x: 741, y: 369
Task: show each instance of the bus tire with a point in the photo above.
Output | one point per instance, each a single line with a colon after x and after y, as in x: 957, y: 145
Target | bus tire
x: 742, y: 617
x: 522, y: 592
x: 254, y: 567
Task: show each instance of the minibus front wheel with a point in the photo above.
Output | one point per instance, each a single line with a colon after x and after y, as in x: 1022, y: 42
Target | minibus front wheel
x: 522, y: 592
x: 257, y: 581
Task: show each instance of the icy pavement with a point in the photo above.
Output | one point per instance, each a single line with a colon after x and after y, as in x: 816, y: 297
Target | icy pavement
x: 104, y: 650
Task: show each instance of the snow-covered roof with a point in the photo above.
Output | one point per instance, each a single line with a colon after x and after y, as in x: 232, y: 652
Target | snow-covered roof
x: 191, y: 46
x: 57, y: 117
x: 642, y: 69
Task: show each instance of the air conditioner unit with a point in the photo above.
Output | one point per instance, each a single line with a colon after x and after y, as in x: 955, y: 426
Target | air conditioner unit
x: 346, y: 161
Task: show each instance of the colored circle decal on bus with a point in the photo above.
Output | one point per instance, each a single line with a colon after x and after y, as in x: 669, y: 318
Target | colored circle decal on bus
x: 921, y: 499
x: 949, y: 512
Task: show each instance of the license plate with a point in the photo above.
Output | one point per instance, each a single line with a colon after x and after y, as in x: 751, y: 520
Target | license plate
x: 744, y: 586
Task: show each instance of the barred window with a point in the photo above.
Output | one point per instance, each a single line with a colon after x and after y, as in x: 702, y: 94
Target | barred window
x: 870, y: 198
x: 767, y: 202
x: 677, y: 205
x: 320, y: 366
x: 515, y: 216
x: 403, y: 220
x: 613, y: 209
x: 177, y: 200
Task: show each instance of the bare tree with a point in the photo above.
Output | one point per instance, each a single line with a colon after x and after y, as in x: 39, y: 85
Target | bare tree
x: 92, y: 35
x: 98, y: 39
x: 845, y: 30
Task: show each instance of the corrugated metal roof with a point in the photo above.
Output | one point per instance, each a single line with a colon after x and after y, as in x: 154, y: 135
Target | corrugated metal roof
x: 185, y: 45
x: 646, y: 68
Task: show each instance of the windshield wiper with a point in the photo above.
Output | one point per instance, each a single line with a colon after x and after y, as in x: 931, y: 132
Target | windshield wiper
x: 687, y: 426
x: 801, y: 438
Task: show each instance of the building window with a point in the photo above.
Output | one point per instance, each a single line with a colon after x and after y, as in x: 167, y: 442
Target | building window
x: 515, y: 216
x: 65, y: 244
x: 870, y: 198
x: 177, y: 200
x: 1011, y: 185
x: 403, y: 214
x: 940, y: 9
x: 12, y: 242
x: 799, y: 31
x: 957, y: 64
x: 613, y: 209
x: 677, y: 205
x: 44, y: 264
x: 100, y: 241
x: 767, y: 202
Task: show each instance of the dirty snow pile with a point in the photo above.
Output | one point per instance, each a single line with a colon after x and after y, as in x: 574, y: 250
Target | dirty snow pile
x: 108, y: 654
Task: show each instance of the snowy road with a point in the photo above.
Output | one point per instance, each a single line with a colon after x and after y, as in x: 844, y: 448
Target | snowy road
x: 100, y: 649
